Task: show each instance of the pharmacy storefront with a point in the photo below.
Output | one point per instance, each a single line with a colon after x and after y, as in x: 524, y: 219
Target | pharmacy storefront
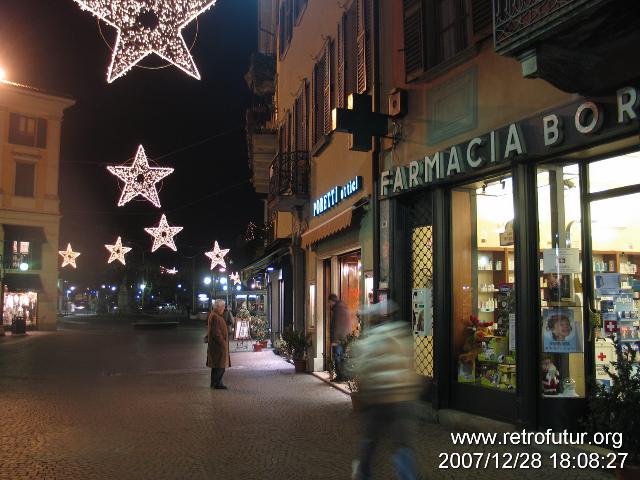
x: 516, y: 254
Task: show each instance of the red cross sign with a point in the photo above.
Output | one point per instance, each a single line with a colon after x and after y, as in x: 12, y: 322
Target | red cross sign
x: 611, y: 326
x: 601, y: 356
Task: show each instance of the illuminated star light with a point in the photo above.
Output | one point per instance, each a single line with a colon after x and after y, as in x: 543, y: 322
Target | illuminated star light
x: 163, y: 234
x: 148, y: 26
x: 217, y: 256
x: 236, y: 278
x: 117, y: 251
x: 140, y: 179
x: 69, y: 256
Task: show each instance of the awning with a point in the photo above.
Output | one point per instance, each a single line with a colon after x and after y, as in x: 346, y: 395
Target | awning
x: 23, y: 282
x: 267, y: 259
x: 24, y: 233
x: 327, y: 228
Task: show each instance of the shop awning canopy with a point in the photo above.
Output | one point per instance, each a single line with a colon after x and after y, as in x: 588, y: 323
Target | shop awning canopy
x: 267, y: 259
x: 24, y: 233
x: 23, y: 282
x: 330, y: 227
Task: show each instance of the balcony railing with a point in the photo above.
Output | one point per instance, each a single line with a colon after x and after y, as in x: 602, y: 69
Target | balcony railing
x: 519, y: 23
x: 289, y: 180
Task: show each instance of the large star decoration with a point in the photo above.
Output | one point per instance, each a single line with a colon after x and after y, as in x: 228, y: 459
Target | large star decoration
x: 236, y: 278
x: 69, y: 256
x: 117, y: 251
x: 217, y: 256
x: 163, y: 234
x: 146, y: 27
x: 140, y: 179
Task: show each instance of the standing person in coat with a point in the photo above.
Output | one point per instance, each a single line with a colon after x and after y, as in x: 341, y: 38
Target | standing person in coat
x: 228, y: 318
x: 218, y: 357
x: 383, y: 361
x: 340, y: 328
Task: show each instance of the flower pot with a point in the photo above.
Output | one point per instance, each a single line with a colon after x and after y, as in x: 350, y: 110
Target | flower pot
x: 629, y: 472
x: 301, y: 366
x: 264, y: 343
x: 257, y: 347
x: 356, y: 402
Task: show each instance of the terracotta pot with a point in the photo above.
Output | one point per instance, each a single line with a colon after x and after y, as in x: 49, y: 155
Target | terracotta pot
x: 257, y: 347
x: 264, y: 343
x: 356, y: 402
x: 629, y: 472
x: 301, y: 366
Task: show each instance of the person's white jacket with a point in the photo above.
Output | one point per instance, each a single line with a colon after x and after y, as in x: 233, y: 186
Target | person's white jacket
x: 383, y: 364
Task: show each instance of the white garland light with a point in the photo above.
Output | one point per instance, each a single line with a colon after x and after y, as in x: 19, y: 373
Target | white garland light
x: 163, y: 234
x: 145, y: 27
x: 69, y: 256
x: 217, y: 256
x: 235, y: 276
x: 117, y: 251
x: 140, y: 179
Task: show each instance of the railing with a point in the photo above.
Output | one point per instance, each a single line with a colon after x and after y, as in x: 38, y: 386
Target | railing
x: 289, y: 177
x: 517, y: 22
x: 13, y: 261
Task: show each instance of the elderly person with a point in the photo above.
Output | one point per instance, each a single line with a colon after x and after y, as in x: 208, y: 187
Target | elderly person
x: 383, y: 359
x: 218, y: 345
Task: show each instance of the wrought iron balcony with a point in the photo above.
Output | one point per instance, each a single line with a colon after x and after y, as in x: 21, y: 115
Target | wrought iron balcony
x: 519, y: 24
x: 289, y: 181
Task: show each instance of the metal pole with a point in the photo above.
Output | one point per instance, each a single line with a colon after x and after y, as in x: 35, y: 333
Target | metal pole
x: 193, y: 284
x: 1, y: 296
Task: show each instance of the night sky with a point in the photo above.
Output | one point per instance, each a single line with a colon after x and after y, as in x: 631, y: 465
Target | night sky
x: 196, y: 127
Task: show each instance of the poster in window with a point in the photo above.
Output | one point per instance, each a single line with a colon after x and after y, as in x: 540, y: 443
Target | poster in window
x: 242, y: 330
x: 560, y: 331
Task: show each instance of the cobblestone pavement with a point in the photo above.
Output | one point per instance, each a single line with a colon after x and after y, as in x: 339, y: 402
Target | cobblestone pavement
x: 123, y: 404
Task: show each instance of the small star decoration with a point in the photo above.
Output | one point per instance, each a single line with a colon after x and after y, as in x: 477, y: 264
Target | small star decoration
x: 163, y: 234
x: 140, y: 179
x: 217, y: 256
x: 117, y: 251
x: 236, y: 278
x: 148, y: 26
x: 69, y: 256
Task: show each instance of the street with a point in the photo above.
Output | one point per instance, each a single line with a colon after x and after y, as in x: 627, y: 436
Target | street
x: 118, y: 403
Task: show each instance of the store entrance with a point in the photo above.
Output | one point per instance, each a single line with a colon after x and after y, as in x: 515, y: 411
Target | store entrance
x: 350, y: 267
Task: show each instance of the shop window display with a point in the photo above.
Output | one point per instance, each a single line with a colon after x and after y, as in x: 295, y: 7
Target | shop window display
x: 483, y: 284
x: 561, y: 299
x: 20, y: 304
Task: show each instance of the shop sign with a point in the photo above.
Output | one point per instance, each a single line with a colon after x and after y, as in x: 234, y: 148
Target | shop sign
x: 506, y: 237
x: 336, y: 195
x: 577, y: 125
x: 561, y: 260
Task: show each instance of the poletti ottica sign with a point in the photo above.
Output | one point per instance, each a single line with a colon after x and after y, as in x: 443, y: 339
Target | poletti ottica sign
x: 336, y: 195
x: 569, y: 128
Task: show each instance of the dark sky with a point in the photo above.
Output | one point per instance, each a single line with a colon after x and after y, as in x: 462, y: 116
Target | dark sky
x: 196, y: 127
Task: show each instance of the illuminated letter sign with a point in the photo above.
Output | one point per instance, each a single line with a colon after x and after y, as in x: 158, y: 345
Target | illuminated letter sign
x: 336, y: 195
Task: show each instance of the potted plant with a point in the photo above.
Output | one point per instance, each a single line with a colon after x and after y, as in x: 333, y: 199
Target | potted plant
x: 259, y: 330
x: 280, y: 347
x: 297, y: 344
x: 614, y: 407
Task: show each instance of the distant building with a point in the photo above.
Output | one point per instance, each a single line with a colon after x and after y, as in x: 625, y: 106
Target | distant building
x: 30, y: 127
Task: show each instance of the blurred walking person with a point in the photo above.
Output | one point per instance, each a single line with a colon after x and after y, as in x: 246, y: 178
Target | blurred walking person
x: 383, y: 364
x: 340, y: 328
x: 218, y: 357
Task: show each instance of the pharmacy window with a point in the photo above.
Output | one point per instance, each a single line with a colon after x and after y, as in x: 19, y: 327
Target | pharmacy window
x: 483, y: 276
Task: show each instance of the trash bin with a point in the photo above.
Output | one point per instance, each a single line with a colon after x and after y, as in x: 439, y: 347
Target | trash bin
x: 18, y: 325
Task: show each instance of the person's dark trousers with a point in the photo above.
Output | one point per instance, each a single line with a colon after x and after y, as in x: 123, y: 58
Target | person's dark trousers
x: 393, y: 420
x: 216, y: 376
x: 337, y: 354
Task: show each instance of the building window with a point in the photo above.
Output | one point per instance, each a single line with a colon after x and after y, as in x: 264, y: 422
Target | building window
x: 436, y: 31
x: 25, y: 179
x: 285, y: 30
x: 27, y: 131
x: 299, y: 7
x: 20, y: 254
x: 484, y: 316
x: 301, y: 120
x: 322, y: 98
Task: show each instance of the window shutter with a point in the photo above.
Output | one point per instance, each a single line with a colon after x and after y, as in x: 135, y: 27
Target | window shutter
x: 414, y: 45
x: 305, y: 117
x: 289, y: 133
x: 363, y: 45
x: 482, y: 16
x: 318, y: 102
x: 351, y: 50
x: 340, y: 72
x: 41, y: 139
x: 327, y: 87
x: 281, y: 31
